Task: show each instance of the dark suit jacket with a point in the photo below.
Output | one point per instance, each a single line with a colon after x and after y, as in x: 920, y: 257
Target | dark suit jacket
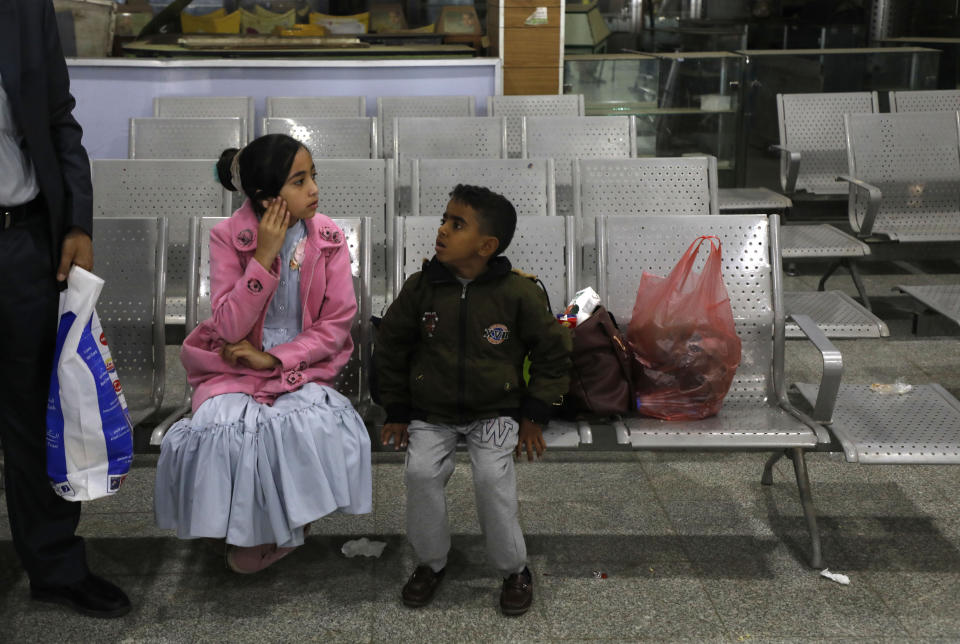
x: 38, y: 87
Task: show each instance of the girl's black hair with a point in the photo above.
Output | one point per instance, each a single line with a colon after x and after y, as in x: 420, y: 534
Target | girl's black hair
x: 264, y: 166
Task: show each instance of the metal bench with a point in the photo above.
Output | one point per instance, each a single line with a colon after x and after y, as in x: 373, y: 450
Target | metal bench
x: 756, y: 415
x: 527, y: 183
x: 316, y: 106
x: 329, y: 138
x: 174, y: 189
x: 391, y: 107
x: 812, y: 148
x: 515, y: 107
x: 534, y: 250
x: 812, y: 155
x: 904, y: 176
x: 352, y: 380
x: 688, y: 186
x: 565, y: 138
x: 936, y: 100
x: 184, y: 138
x: 131, y: 257
x: 209, y: 107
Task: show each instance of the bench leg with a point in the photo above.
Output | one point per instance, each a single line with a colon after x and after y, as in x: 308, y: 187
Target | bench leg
x: 858, y: 282
x: 767, y: 477
x: 806, y: 500
x: 830, y: 271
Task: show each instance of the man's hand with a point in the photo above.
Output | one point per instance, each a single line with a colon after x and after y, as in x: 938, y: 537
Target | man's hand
x: 396, y: 431
x: 531, y: 439
x: 246, y: 353
x: 77, y: 249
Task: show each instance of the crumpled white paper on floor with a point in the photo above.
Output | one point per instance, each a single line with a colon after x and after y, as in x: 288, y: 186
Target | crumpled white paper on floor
x: 364, y: 547
x: 835, y: 576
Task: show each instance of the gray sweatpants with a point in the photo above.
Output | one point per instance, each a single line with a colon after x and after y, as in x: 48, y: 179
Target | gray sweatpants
x: 430, y: 462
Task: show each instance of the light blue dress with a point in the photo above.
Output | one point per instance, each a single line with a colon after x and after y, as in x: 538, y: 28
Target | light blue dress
x: 255, y: 473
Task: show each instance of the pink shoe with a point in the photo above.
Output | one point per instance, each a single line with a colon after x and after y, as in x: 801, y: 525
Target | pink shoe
x: 255, y: 558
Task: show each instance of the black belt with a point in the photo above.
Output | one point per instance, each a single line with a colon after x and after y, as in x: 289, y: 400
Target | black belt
x: 14, y: 216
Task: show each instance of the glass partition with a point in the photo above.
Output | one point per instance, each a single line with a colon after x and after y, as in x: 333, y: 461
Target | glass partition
x: 685, y: 103
x: 791, y: 71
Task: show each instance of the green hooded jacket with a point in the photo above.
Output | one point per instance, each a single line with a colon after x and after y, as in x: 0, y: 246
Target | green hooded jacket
x: 453, y: 353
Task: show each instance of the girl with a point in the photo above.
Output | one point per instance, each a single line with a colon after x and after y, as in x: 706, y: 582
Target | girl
x: 271, y: 446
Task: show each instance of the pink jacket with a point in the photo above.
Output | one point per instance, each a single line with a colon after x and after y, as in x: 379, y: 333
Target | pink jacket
x: 241, y: 290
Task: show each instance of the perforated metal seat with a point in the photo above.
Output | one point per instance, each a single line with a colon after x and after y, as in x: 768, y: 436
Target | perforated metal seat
x: 565, y: 138
x: 330, y: 138
x: 184, y: 138
x: 527, y: 183
x: 837, y: 314
x: 534, y: 250
x: 638, y: 187
x: 517, y: 106
x: 392, y: 107
x: 316, y: 106
x: 812, y: 139
x: 934, y: 100
x: 207, y: 107
x: 942, y: 298
x: 174, y: 189
x: 756, y: 414
x: 131, y: 257
x: 920, y: 426
x: 752, y: 200
x: 904, y: 175
x: 352, y: 379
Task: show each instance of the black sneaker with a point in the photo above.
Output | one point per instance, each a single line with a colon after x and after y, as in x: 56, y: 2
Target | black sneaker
x: 421, y: 586
x: 90, y: 596
x: 517, y: 593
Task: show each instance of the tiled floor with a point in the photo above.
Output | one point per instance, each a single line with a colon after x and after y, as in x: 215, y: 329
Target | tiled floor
x: 692, y: 547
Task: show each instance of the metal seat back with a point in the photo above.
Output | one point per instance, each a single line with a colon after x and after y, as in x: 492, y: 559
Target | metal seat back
x: 528, y: 184
x: 316, y: 106
x: 391, y: 107
x: 914, y: 159
x: 934, y: 100
x: 174, y: 189
x: 352, y: 188
x: 207, y: 107
x: 534, y: 250
x: 812, y: 124
x: 629, y: 246
x: 329, y: 138
x: 631, y: 187
x: 131, y: 258
x: 184, y: 138
x: 565, y: 138
x: 516, y: 107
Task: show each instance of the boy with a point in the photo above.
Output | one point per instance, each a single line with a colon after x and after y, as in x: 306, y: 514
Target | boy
x: 450, y: 354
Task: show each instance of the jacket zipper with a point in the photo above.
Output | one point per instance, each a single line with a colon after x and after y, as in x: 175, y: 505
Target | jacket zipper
x: 462, y: 358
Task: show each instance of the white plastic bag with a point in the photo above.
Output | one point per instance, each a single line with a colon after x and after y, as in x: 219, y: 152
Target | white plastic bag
x: 89, y: 433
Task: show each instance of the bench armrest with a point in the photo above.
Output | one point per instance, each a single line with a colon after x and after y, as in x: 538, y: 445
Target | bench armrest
x: 792, y: 157
x: 832, y: 368
x: 865, y: 227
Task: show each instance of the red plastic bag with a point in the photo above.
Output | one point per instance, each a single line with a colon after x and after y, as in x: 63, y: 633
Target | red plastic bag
x: 683, y: 334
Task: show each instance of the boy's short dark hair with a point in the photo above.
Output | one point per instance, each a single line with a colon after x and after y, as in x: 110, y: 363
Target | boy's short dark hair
x: 497, y: 215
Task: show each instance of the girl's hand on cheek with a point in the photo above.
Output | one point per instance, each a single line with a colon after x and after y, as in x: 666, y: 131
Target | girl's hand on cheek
x: 271, y: 232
